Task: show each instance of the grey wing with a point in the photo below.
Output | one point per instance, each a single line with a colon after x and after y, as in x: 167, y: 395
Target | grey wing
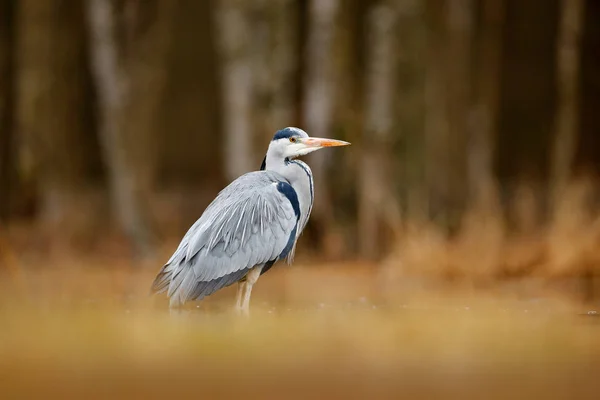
x: 251, y: 222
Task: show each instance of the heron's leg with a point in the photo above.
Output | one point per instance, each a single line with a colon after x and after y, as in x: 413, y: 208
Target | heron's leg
x: 240, y: 295
x: 251, y: 279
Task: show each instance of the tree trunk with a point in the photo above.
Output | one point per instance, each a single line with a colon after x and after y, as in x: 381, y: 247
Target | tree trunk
x: 527, y: 105
x: 484, y: 111
x: 193, y: 102
x: 281, y: 65
x: 377, y: 195
x: 51, y: 107
x: 567, y: 121
x: 459, y: 23
x: 129, y: 76
x: 318, y: 100
x: 438, y: 142
x: 7, y: 148
x: 588, y: 146
x: 412, y: 69
x: 588, y: 123
x: 237, y: 50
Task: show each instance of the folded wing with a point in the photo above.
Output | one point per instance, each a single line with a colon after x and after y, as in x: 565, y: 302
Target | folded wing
x: 251, y: 222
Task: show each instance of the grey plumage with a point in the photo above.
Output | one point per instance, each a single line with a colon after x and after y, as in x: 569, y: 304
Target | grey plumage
x: 249, y: 226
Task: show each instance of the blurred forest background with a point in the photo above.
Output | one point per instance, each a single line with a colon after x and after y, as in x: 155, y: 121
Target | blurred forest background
x: 476, y: 143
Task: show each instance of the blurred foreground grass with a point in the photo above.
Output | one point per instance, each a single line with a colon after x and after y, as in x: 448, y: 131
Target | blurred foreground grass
x: 327, y: 332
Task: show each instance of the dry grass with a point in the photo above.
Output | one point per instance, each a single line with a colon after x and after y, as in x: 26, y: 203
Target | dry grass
x: 327, y: 332
x: 562, y: 255
x: 474, y: 317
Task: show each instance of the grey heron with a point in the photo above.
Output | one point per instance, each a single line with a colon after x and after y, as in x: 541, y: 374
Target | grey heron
x: 252, y: 223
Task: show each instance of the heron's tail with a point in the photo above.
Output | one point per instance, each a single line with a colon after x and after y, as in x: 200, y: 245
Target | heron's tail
x: 163, y: 279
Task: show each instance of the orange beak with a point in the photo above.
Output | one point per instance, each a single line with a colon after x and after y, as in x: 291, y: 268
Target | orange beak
x: 320, y: 142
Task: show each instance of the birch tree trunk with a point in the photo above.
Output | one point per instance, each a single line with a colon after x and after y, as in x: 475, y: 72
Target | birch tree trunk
x: 236, y: 38
x: 567, y: 121
x: 318, y: 97
x: 282, y: 64
x: 264, y: 67
x: 377, y: 197
x: 7, y: 93
x: 128, y: 63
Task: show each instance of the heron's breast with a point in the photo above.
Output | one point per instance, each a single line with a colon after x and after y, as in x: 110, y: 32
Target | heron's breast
x: 304, y: 186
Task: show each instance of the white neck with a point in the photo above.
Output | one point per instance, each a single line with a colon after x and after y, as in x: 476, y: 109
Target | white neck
x: 299, y: 175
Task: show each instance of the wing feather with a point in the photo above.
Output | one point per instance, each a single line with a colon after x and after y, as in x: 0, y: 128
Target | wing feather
x: 248, y: 224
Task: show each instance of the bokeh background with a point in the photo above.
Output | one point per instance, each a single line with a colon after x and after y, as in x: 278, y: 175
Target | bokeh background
x: 473, y: 172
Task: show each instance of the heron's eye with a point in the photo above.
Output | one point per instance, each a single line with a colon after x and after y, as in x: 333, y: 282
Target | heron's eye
x: 293, y: 139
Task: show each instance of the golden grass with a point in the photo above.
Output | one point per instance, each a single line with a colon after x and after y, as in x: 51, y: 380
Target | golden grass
x: 477, y: 316
x: 564, y: 252
x: 315, y: 332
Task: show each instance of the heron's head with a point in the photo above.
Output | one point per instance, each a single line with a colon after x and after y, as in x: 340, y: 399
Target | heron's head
x: 294, y: 142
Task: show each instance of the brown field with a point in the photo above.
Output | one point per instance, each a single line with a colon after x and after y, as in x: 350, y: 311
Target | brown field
x: 326, y: 331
